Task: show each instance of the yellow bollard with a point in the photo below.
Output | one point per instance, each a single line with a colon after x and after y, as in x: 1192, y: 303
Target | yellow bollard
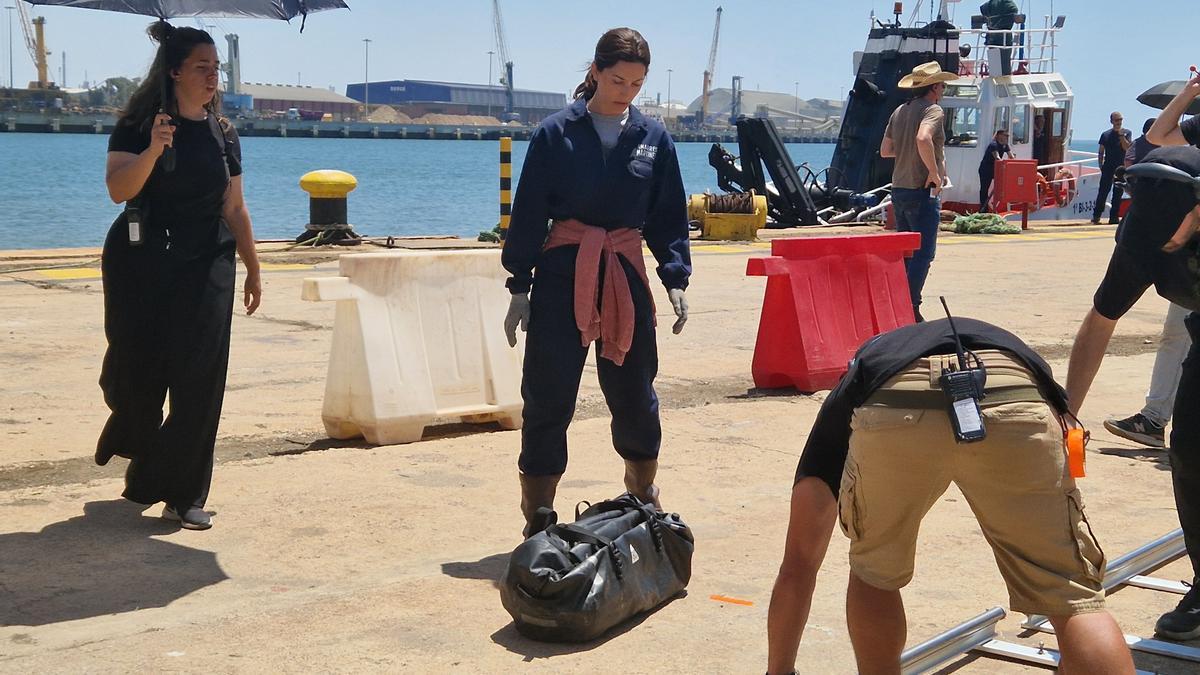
x: 327, y: 214
x: 505, y: 185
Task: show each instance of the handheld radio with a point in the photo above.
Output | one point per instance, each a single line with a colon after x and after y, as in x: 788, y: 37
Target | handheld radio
x: 133, y: 217
x: 964, y: 387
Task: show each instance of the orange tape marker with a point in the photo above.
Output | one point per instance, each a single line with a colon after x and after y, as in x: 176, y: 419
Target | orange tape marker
x: 732, y: 601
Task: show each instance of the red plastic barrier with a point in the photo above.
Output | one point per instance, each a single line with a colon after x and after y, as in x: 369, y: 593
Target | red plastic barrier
x: 825, y: 297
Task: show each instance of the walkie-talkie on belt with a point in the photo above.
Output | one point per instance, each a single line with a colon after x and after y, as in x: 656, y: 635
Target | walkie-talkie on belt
x: 964, y: 387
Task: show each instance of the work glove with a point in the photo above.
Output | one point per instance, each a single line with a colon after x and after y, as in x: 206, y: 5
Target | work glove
x: 679, y: 304
x: 518, y: 313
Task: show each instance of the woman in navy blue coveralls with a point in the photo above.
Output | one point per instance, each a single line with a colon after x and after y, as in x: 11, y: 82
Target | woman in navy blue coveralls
x: 605, y: 176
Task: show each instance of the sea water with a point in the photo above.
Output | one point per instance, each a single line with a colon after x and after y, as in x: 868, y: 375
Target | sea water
x: 52, y: 190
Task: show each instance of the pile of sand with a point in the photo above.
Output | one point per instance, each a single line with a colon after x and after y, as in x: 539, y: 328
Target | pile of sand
x: 386, y: 114
x: 458, y: 120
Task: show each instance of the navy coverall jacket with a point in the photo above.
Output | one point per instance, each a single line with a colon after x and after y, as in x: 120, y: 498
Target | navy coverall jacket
x: 566, y: 175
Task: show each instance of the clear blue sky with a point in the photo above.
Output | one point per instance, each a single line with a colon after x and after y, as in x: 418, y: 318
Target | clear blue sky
x: 1109, y: 52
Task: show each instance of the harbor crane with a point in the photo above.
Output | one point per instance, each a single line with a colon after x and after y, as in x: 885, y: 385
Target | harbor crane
x: 35, y: 41
x: 506, y: 75
x: 706, y: 91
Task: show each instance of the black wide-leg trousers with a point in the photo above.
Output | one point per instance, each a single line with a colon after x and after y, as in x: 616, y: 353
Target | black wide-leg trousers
x: 167, y: 320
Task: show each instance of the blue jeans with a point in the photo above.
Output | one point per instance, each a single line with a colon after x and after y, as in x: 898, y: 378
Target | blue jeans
x: 917, y: 212
x: 1107, y: 183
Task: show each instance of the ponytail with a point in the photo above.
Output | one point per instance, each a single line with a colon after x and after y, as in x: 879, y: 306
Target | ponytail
x: 587, y: 88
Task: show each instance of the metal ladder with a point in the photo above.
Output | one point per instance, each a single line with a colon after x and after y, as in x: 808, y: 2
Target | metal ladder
x: 978, y: 634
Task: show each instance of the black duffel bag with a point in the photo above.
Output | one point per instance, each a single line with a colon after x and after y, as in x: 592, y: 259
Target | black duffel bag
x: 572, y: 582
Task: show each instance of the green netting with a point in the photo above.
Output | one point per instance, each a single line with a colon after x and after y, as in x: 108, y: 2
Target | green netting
x: 492, y: 235
x: 981, y: 223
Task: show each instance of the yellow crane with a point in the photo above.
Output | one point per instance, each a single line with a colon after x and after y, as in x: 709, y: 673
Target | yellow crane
x: 35, y: 41
x: 702, y: 119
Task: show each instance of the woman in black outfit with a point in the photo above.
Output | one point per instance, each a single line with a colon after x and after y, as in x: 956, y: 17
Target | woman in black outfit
x: 168, y: 271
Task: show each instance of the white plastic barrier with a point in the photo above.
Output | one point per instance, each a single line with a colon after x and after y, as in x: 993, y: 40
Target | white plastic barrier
x: 417, y: 336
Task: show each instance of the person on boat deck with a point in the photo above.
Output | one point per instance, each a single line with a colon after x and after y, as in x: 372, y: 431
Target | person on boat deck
x: 1000, y: 16
x: 1114, y: 143
x: 997, y: 149
x: 1040, y: 142
x: 169, y: 292
x: 915, y: 137
x: 605, y: 176
x: 880, y: 454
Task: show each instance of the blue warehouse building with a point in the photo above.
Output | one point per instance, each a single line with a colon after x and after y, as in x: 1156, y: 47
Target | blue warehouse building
x: 416, y: 98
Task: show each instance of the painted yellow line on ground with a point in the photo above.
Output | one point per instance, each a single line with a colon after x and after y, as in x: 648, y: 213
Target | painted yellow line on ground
x: 82, y: 273
x: 276, y: 267
x: 71, y: 273
x: 758, y: 246
x: 1017, y: 238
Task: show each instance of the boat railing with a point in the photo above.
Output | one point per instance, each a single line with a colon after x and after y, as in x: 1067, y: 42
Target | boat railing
x: 1076, y: 168
x: 1020, y: 43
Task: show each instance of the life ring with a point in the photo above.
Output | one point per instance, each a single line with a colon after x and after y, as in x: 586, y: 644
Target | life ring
x: 1066, y: 186
x: 1044, y: 194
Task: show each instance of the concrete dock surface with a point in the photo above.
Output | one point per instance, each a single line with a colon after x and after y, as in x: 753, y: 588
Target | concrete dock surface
x: 336, y: 556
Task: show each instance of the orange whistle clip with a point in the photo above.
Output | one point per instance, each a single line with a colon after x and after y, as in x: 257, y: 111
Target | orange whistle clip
x: 1075, y: 452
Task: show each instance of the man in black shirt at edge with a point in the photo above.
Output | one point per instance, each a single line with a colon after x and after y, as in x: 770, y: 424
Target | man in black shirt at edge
x: 1156, y: 247
x: 884, y: 431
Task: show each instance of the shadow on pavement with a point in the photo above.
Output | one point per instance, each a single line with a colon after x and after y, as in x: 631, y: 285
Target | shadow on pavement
x: 510, y: 639
x: 105, y: 561
x: 490, y: 568
x: 783, y: 392
x: 1154, y: 456
x: 433, y: 432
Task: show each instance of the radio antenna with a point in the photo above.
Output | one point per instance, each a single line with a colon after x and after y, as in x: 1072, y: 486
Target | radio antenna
x: 962, y: 359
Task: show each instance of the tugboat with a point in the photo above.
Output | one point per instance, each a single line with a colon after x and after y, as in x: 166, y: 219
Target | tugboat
x: 1023, y: 93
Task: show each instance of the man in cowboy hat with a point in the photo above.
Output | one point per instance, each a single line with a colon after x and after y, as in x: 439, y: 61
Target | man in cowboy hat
x: 915, y: 137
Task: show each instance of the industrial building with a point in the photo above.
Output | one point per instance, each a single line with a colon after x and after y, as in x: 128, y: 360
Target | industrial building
x: 785, y: 110
x: 417, y: 98
x: 268, y: 99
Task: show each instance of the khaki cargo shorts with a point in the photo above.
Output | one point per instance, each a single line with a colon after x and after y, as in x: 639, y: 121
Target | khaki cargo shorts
x: 903, y: 456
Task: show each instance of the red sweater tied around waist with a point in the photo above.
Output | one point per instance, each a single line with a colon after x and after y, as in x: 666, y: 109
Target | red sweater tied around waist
x: 608, y: 318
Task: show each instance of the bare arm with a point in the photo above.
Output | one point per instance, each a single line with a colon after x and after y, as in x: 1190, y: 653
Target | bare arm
x: 887, y: 148
x: 813, y: 512
x: 237, y: 216
x: 1100, y: 156
x: 930, y: 125
x: 1086, y: 355
x: 1165, y: 130
x: 125, y: 173
x: 928, y: 153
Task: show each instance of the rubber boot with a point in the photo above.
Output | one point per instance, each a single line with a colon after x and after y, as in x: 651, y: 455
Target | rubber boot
x: 639, y: 480
x: 537, y: 502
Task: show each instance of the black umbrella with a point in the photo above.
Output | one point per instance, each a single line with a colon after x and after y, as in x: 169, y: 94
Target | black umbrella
x: 1161, y: 94
x: 171, y: 9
